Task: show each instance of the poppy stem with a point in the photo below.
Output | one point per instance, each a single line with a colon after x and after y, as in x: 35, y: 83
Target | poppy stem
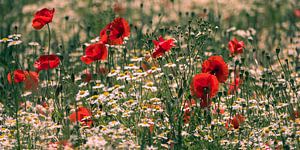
x: 49, y: 38
x: 232, y: 98
x: 49, y: 49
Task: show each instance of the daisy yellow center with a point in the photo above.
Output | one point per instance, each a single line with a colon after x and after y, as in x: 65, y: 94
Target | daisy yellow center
x: 144, y: 107
x: 122, y: 74
x: 106, y: 93
x: 153, y: 68
x: 149, y: 84
x: 5, y: 39
x: 157, y: 107
x: 130, y: 101
x: 95, y: 96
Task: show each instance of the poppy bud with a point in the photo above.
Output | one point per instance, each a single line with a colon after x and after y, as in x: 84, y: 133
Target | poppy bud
x: 241, y: 75
x: 292, y: 81
x: 193, y: 14
x: 66, y: 18
x: 88, y: 28
x: 180, y: 14
x: 161, y: 30
x: 237, y: 62
x: 16, y: 28
x: 219, y: 94
x: 72, y: 77
x: 247, y: 73
x: 277, y: 51
x: 170, y: 76
x: 187, y: 13
x: 100, y: 107
x: 242, y: 60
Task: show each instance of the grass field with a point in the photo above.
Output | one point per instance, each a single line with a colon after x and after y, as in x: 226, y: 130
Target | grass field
x: 136, y: 74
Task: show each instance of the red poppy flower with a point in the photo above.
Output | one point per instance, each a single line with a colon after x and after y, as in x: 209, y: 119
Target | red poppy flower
x: 19, y: 76
x: 87, y: 60
x: 236, y: 121
x: 93, y: 52
x: 30, y: 79
x: 118, y: 29
x: 235, y: 46
x: 216, y: 65
x: 42, y: 17
x: 83, y: 115
x: 204, y: 86
x: 87, y: 76
x: 297, y: 13
x: 294, y: 115
x: 151, y: 127
x: 46, y: 62
x: 162, y: 46
x: 234, y: 85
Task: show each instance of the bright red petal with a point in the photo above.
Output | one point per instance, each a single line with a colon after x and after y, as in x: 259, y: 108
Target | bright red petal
x: 87, y: 60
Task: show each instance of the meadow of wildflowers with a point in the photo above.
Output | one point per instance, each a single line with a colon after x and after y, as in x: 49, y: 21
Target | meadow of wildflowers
x: 134, y: 74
